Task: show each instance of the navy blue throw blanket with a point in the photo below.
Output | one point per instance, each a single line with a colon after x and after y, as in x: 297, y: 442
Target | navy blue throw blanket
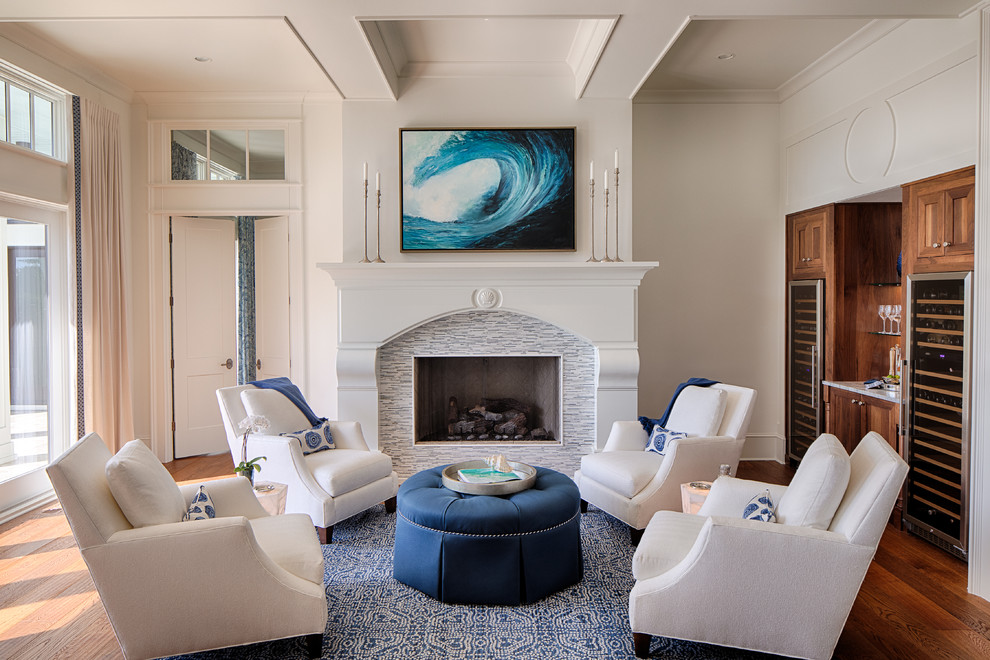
x: 648, y: 423
x: 292, y: 393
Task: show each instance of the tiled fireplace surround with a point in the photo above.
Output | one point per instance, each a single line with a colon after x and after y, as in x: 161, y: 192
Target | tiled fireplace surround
x: 390, y: 313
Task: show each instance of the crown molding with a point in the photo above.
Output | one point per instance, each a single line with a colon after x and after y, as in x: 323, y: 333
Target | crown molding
x: 194, y: 98
x: 485, y: 70
x: 871, y: 33
x: 58, y: 56
x: 586, y: 50
x: 742, y: 96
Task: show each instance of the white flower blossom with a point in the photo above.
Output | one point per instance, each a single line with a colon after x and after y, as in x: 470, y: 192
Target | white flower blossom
x: 254, y: 424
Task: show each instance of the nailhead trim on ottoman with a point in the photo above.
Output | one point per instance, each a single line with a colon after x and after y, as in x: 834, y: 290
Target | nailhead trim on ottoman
x: 481, y: 549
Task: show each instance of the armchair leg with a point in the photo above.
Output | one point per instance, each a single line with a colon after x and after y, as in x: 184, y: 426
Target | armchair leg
x: 325, y: 534
x: 635, y: 535
x: 584, y: 505
x: 641, y: 644
x: 390, y: 505
x: 314, y: 645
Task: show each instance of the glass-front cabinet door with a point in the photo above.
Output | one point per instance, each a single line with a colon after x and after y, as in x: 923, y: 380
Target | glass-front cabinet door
x: 804, y: 365
x: 937, y: 397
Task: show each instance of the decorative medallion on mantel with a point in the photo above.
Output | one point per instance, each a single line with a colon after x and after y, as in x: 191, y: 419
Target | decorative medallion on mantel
x: 487, y: 298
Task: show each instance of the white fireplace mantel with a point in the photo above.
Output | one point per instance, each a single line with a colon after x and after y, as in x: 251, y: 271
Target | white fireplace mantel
x: 595, y: 301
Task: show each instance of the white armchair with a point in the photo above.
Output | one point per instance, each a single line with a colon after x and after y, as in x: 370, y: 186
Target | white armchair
x: 632, y: 484
x: 784, y: 588
x: 329, y: 486
x: 182, y: 587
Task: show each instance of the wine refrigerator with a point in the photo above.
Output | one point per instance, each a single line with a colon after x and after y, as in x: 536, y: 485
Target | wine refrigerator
x: 804, y: 365
x: 936, y: 399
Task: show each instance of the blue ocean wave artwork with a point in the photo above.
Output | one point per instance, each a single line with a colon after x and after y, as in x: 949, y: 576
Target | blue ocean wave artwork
x: 491, y: 189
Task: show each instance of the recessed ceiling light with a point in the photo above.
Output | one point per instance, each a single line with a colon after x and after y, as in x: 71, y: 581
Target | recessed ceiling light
x: 203, y: 58
x: 726, y: 56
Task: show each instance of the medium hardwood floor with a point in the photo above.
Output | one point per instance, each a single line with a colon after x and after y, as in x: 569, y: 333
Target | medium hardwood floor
x: 913, y: 603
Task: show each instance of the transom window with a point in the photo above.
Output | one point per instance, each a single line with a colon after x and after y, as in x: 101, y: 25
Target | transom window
x: 228, y: 155
x: 32, y: 115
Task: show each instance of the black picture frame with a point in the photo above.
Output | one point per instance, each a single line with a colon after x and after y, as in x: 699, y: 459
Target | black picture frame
x: 487, y: 189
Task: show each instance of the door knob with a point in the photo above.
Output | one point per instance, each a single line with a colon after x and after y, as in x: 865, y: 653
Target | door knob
x: 229, y: 364
x: 258, y: 365
x: 934, y: 245
x: 946, y: 244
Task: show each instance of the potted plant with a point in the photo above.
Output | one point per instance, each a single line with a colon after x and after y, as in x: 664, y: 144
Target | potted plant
x: 248, y: 468
x: 250, y: 424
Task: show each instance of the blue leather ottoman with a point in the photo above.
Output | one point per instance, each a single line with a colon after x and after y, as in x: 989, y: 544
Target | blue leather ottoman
x: 488, y: 550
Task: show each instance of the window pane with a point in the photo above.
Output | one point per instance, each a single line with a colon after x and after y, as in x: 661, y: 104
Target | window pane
x: 3, y: 110
x: 267, y: 150
x: 228, y: 155
x: 24, y: 406
x: 43, y: 127
x: 20, y: 117
x: 188, y: 155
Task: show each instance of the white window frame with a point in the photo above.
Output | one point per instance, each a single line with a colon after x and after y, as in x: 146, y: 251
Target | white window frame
x: 27, y: 491
x: 247, y: 127
x: 40, y: 88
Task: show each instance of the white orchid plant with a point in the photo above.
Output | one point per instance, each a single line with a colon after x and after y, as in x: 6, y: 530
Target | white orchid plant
x: 251, y: 424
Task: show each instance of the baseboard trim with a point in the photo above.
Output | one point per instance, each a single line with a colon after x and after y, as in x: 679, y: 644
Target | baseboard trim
x: 763, y: 448
x: 27, y: 505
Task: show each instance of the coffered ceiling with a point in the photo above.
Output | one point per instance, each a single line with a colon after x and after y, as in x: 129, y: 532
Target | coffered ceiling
x: 374, y: 49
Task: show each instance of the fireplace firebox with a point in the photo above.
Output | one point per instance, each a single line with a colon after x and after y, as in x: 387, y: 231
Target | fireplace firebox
x: 487, y: 399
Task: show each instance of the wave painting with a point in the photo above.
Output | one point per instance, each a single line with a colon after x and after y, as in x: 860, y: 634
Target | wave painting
x: 490, y: 189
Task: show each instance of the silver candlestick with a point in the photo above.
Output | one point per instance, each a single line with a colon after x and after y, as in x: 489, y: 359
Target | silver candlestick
x: 617, y: 215
x: 366, y: 260
x: 606, y: 258
x: 593, y: 258
x: 378, y: 231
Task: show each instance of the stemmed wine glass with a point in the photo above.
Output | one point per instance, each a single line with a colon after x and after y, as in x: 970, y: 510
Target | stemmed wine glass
x: 896, y: 318
x: 884, y: 312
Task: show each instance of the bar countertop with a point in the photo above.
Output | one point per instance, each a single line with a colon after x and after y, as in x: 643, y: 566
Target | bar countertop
x: 859, y: 388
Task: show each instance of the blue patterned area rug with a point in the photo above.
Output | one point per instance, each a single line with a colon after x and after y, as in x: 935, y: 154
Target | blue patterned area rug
x: 372, y: 616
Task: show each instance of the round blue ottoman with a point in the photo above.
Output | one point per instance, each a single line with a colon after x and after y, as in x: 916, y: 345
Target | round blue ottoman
x: 488, y: 550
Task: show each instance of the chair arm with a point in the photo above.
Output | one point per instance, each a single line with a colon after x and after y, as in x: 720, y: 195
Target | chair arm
x: 348, y: 435
x: 232, y: 496
x: 180, y: 568
x: 286, y: 464
x: 730, y: 495
x: 192, y: 542
x: 626, y: 436
x: 751, y: 567
x: 695, y: 459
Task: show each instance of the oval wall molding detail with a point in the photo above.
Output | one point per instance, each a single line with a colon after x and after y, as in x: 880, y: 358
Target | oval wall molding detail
x: 870, y: 143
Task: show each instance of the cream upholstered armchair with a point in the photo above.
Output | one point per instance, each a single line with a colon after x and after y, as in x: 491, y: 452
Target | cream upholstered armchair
x: 632, y: 484
x: 171, y: 586
x: 329, y: 486
x: 782, y: 587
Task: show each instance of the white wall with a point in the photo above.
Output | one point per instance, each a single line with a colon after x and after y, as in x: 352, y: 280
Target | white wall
x: 322, y: 232
x: 710, y: 215
x: 371, y: 134
x: 902, y: 109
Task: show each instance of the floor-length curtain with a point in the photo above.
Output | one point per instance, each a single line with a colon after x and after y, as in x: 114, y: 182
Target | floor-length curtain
x: 107, y: 379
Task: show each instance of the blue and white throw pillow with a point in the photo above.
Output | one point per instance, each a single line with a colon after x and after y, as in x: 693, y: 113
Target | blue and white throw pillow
x: 761, y: 508
x: 201, y: 506
x: 660, y: 437
x: 315, y: 439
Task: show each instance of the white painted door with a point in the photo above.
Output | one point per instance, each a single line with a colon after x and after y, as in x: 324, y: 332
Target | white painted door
x: 271, y: 297
x: 204, y: 330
